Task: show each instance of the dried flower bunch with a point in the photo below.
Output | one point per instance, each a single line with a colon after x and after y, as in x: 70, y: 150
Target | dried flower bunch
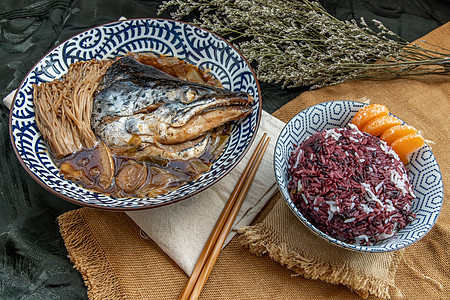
x: 297, y: 43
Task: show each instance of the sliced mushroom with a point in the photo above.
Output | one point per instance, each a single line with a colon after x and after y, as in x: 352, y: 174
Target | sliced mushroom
x: 131, y: 177
x: 106, y: 166
x: 90, y: 166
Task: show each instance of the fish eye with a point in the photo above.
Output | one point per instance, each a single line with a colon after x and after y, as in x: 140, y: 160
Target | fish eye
x: 191, y: 95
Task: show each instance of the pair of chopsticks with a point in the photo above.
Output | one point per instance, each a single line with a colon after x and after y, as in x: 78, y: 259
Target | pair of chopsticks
x: 223, y: 225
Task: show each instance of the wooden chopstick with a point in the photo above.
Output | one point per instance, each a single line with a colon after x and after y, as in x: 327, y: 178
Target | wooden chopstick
x: 218, y: 227
x: 223, y: 225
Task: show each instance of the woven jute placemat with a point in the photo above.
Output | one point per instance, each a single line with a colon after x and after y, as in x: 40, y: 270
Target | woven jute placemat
x: 118, y: 262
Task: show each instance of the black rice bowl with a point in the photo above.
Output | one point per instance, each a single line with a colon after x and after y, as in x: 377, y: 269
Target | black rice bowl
x: 351, y: 186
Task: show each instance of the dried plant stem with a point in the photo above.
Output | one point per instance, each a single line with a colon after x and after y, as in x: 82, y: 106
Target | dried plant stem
x: 298, y: 43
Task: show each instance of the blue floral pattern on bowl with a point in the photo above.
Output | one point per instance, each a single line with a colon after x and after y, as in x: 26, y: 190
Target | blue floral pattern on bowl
x: 185, y: 41
x: 423, y: 171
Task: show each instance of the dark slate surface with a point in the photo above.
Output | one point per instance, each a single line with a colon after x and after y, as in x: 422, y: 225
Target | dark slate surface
x: 33, y: 260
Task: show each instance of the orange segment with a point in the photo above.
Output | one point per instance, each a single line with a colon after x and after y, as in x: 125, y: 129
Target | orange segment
x: 378, y: 125
x: 368, y: 113
x: 406, y: 145
x: 395, y: 132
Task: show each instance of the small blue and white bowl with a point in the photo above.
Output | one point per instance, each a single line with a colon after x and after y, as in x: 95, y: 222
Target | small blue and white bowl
x: 423, y: 171
x: 190, y: 43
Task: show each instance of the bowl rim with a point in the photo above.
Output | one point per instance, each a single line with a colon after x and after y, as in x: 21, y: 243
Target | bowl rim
x: 143, y: 207
x: 326, y: 237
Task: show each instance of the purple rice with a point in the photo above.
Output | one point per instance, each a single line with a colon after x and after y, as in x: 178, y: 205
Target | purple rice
x: 351, y: 186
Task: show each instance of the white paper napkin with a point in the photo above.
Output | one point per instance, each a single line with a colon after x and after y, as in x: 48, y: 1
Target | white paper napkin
x: 182, y: 229
x: 8, y: 99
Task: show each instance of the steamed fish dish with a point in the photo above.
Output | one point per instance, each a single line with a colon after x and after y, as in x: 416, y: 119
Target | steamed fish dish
x: 136, y: 102
x: 140, y: 125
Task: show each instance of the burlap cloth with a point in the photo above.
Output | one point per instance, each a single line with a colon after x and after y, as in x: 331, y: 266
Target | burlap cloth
x: 117, y: 262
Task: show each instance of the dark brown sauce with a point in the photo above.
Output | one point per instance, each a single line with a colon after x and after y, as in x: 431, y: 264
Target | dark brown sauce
x: 87, y: 167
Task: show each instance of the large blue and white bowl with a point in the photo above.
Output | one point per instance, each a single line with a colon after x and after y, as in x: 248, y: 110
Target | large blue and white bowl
x: 187, y: 42
x: 423, y: 171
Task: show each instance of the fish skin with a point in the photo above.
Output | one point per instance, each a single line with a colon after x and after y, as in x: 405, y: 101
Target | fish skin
x: 181, y: 151
x: 136, y: 99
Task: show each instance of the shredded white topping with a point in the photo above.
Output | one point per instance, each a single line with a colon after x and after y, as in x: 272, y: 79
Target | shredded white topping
x: 370, y: 196
x: 388, y: 219
x: 353, y: 126
x: 399, y: 180
x: 383, y: 236
x: 304, y: 198
x: 378, y: 187
x: 330, y: 215
x: 367, y: 209
x: 298, y: 155
x: 299, y: 186
x: 360, y: 238
x: 332, y: 133
x: 333, y: 208
x: 389, y: 205
x: 388, y: 150
x: 407, y: 206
